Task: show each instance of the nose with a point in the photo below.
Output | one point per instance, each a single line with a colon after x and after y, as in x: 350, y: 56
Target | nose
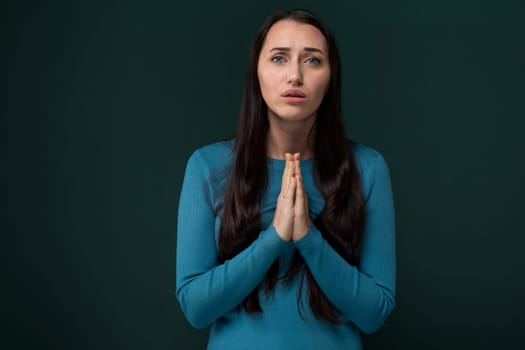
x: 295, y: 76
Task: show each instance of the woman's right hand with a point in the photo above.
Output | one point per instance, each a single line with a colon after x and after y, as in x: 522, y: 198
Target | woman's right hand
x: 284, y: 211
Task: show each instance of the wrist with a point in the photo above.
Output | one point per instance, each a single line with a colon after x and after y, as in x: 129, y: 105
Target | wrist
x: 301, y: 232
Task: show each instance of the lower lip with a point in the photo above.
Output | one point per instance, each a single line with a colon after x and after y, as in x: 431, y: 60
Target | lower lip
x: 293, y: 99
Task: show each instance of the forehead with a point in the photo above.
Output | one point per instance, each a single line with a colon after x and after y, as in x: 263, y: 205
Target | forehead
x: 295, y: 35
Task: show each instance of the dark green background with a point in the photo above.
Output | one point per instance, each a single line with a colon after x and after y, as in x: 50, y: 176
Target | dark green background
x: 106, y: 100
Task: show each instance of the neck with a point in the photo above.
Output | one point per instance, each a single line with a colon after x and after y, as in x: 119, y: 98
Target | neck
x: 290, y: 137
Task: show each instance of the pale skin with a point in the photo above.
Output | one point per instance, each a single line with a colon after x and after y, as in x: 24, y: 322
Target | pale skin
x: 292, y: 218
x: 294, y: 73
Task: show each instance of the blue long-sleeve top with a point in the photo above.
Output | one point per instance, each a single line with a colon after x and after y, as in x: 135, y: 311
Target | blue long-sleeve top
x: 209, y: 292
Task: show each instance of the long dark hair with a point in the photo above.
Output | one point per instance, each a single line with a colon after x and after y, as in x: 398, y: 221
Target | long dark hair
x: 341, y: 221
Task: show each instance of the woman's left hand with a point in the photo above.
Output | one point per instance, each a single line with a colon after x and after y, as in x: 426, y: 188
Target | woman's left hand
x: 302, y: 221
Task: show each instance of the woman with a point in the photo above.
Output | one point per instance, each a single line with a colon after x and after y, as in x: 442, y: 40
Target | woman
x: 286, y: 234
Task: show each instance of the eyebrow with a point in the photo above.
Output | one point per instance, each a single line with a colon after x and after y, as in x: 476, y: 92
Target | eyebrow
x: 287, y: 49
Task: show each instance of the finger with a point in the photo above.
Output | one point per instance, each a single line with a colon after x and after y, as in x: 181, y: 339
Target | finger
x: 296, y: 162
x: 297, y: 170
x: 291, y: 192
x: 301, y: 193
x: 286, y: 176
x: 289, y: 161
x: 291, y: 166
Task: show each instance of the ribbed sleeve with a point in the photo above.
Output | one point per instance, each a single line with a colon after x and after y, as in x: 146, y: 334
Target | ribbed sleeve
x: 364, y: 295
x: 206, y: 290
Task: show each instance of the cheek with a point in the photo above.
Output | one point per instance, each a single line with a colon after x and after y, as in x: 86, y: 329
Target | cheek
x: 323, y: 84
x: 269, y: 82
x: 263, y: 85
x: 326, y: 83
x: 262, y: 75
x: 269, y: 77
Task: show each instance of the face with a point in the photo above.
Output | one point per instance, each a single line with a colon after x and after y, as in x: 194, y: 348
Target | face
x: 293, y: 70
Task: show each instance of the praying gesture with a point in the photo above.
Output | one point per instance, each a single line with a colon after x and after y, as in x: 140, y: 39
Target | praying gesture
x: 231, y: 254
x: 292, y: 218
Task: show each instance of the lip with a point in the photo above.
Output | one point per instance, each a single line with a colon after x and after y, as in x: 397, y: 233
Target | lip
x: 293, y: 93
x: 293, y: 96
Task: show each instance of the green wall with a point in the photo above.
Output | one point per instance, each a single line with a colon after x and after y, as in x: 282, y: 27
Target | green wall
x: 105, y: 101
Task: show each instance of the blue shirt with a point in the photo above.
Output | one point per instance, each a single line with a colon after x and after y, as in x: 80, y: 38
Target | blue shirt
x: 209, y: 292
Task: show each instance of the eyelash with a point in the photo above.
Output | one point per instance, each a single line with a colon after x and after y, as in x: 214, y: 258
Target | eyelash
x: 315, y: 60
x: 311, y: 60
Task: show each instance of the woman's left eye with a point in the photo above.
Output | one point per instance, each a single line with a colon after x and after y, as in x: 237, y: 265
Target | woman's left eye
x: 313, y: 60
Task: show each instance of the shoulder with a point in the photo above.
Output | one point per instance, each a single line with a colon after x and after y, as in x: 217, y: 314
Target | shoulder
x: 371, y: 164
x: 210, y: 165
x: 365, y: 156
x: 213, y: 156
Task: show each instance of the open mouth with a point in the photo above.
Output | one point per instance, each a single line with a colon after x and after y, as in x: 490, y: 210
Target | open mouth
x: 293, y: 93
x: 293, y: 96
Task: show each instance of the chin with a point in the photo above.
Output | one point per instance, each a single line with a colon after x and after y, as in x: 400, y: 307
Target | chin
x: 293, y: 116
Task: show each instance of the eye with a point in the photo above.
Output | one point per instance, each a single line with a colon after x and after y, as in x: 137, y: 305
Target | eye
x: 278, y: 59
x: 313, y: 60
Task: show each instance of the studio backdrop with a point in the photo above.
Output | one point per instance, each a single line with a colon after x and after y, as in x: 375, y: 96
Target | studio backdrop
x: 105, y: 102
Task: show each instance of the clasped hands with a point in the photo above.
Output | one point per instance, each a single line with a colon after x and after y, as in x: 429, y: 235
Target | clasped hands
x: 292, y: 218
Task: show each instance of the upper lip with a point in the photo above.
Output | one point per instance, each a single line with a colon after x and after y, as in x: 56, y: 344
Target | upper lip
x: 293, y: 92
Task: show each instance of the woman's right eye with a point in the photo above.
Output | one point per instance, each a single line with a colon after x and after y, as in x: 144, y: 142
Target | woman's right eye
x: 278, y: 59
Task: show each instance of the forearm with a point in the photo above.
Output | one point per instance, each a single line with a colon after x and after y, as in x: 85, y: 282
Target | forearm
x: 210, y: 293
x: 363, y: 300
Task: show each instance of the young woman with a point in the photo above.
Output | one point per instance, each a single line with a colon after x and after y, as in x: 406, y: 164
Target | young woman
x: 286, y: 235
